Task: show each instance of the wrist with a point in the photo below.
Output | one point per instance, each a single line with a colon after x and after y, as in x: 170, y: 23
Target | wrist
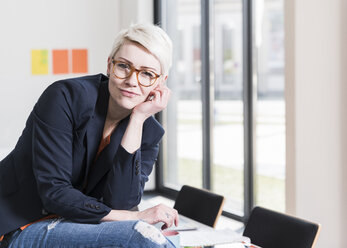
x: 119, y: 215
x: 138, y: 118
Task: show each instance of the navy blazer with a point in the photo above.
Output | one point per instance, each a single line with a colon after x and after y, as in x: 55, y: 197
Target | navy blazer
x: 52, y: 168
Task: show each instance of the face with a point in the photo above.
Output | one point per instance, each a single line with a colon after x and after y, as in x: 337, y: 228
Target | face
x: 127, y: 93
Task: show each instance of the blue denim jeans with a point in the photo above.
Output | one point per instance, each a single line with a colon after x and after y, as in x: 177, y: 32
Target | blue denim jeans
x: 64, y: 233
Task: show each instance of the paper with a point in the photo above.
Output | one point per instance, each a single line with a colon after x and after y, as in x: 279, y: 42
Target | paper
x: 60, y: 59
x: 79, y: 61
x: 210, y: 237
x: 39, y: 62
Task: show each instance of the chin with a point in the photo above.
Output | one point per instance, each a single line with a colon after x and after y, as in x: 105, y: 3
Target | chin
x: 128, y: 104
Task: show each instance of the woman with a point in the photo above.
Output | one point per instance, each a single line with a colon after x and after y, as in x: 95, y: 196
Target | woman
x: 86, y: 152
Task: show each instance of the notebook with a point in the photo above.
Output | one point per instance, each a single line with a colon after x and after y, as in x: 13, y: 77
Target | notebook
x: 210, y: 237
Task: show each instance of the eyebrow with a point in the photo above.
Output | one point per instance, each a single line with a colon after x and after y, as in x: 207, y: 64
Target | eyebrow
x: 145, y: 67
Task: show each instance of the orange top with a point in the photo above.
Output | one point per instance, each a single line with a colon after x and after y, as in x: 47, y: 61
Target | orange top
x: 103, y: 143
x: 52, y: 216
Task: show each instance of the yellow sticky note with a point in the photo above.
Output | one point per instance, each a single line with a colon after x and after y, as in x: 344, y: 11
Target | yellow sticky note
x: 39, y: 62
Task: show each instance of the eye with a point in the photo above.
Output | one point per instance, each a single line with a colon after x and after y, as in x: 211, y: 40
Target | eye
x: 148, y: 74
x: 123, y: 66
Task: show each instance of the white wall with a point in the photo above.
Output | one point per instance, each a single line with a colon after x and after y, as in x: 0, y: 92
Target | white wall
x: 343, y: 98
x: 63, y: 24
x: 41, y: 24
x: 316, y: 115
x: 133, y: 11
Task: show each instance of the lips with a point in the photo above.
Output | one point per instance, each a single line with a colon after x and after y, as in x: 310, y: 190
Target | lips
x: 128, y: 93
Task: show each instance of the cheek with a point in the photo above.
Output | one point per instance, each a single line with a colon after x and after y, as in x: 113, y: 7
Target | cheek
x: 145, y: 92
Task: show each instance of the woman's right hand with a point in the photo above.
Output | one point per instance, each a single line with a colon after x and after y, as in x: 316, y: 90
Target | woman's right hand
x: 159, y: 213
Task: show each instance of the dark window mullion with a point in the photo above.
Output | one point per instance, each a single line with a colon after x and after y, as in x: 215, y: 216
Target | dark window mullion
x: 248, y: 107
x: 159, y: 175
x: 207, y: 95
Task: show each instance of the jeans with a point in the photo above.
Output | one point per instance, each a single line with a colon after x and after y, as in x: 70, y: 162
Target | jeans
x: 64, y: 233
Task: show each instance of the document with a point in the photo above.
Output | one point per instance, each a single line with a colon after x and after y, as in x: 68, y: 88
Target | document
x: 210, y: 237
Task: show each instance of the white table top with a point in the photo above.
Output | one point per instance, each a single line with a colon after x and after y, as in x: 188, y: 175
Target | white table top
x: 203, y: 235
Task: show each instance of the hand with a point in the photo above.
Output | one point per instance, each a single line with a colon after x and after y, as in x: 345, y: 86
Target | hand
x: 159, y: 213
x: 156, y: 101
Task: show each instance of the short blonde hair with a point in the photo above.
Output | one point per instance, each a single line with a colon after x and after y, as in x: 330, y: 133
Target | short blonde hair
x: 151, y: 37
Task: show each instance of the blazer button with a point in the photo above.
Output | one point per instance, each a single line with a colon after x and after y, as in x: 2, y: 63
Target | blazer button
x: 97, y: 207
x: 137, y: 172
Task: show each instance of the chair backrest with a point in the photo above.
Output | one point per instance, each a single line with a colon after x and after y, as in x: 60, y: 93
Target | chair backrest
x: 270, y: 229
x: 199, y: 204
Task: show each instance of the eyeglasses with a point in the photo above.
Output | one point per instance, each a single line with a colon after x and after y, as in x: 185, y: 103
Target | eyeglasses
x: 124, y: 70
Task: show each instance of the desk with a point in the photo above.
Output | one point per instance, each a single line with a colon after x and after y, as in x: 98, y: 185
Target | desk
x: 221, y: 237
x: 206, y: 235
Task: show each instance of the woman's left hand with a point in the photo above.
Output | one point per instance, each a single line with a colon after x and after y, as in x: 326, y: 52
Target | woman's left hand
x: 157, y: 101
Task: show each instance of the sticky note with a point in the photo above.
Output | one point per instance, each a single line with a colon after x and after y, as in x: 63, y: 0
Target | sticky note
x: 39, y: 62
x: 79, y: 61
x: 60, y: 59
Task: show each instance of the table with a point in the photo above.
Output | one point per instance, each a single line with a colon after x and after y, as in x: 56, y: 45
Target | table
x: 204, y: 234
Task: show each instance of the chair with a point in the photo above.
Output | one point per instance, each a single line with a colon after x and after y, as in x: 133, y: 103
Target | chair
x: 270, y: 229
x: 199, y: 204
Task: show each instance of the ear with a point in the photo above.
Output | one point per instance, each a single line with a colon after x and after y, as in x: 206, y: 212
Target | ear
x: 163, y: 81
x: 109, y: 65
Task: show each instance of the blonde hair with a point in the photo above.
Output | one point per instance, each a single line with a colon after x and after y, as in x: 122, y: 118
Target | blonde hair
x: 151, y: 37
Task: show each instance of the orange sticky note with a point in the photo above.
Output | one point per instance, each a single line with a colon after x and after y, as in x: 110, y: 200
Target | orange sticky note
x: 79, y: 61
x: 60, y: 61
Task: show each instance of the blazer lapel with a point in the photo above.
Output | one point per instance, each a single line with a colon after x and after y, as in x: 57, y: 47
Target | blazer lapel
x: 95, y: 128
x: 105, y: 160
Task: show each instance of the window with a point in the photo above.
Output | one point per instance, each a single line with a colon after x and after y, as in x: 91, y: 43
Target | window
x: 270, y: 107
x: 225, y: 121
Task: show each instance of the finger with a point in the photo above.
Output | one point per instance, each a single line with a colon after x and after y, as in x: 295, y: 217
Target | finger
x: 161, y: 87
x: 170, y: 218
x: 167, y: 217
x: 163, y: 227
x: 157, y: 96
x: 166, y: 95
x: 176, y: 218
x: 166, y: 223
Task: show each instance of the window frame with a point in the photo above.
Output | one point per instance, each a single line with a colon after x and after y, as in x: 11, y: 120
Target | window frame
x: 249, y: 94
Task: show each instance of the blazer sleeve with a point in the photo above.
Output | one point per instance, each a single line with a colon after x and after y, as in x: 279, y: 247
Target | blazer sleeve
x: 52, y: 144
x: 129, y: 173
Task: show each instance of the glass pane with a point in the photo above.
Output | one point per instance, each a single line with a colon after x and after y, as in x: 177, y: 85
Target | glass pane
x: 183, y: 118
x: 270, y: 116
x: 227, y: 170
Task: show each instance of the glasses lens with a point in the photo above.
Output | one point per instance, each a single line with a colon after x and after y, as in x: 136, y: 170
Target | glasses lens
x: 146, y: 77
x: 121, y: 70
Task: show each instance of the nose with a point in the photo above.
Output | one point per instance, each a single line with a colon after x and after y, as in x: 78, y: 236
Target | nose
x: 132, y: 80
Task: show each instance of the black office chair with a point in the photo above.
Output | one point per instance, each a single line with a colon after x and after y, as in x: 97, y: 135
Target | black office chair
x: 199, y: 204
x: 270, y: 229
